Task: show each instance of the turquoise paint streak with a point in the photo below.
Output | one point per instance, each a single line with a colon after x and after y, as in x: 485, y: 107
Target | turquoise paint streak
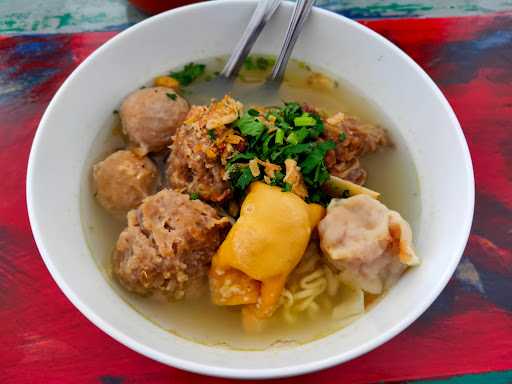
x: 57, y: 16
x: 484, y: 378
x: 54, y: 16
x: 411, y: 8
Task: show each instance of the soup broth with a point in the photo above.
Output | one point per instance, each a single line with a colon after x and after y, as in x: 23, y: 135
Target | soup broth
x: 390, y: 171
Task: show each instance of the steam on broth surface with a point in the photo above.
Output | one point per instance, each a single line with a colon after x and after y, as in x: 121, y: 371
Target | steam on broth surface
x: 391, y: 172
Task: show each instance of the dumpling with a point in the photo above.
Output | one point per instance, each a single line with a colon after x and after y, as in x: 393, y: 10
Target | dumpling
x: 262, y: 248
x: 368, y: 243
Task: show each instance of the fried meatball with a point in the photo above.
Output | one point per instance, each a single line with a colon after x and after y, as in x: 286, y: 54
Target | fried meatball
x: 168, y: 245
x: 150, y: 116
x: 123, y: 180
x: 358, y: 139
x: 190, y: 169
x: 201, y: 148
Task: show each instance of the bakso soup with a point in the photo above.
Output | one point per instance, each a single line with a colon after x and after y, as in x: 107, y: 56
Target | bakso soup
x: 249, y: 225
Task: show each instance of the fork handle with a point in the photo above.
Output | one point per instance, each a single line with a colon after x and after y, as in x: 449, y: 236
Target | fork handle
x: 300, y: 14
x: 261, y: 15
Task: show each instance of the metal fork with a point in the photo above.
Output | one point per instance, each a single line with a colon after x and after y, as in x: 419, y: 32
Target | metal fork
x: 300, y: 14
x: 268, y: 91
x: 265, y: 9
x: 223, y: 83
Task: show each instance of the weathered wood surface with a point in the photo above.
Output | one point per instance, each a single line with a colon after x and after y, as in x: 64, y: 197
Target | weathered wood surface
x: 467, y: 330
x: 62, y: 16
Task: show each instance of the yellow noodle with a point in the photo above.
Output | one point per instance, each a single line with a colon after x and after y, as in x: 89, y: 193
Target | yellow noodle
x: 287, y: 298
x: 309, y: 280
x: 306, y: 303
x: 309, y: 288
x: 286, y: 302
x: 310, y: 299
x: 333, y: 282
x: 306, y: 286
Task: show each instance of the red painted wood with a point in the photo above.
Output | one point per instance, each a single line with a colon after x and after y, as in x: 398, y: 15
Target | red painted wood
x: 152, y: 7
x: 43, y: 338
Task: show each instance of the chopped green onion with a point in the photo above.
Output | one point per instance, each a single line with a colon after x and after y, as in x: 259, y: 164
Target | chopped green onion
x: 264, y: 63
x: 189, y: 73
x: 304, y: 121
x: 279, y: 136
x: 245, y: 178
x: 249, y: 126
x: 297, y: 137
x: 249, y: 64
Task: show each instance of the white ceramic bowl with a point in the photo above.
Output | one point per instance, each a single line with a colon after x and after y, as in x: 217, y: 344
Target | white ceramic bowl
x: 380, y: 71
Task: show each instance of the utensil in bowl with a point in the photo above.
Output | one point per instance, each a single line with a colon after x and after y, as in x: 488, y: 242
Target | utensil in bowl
x: 269, y: 90
x: 224, y: 82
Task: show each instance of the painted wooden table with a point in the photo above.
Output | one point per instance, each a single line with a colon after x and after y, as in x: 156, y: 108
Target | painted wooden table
x: 466, y: 335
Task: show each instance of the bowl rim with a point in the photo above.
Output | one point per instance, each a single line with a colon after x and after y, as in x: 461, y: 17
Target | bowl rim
x: 244, y: 373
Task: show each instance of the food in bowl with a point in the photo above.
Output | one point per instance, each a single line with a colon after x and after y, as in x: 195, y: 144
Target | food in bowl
x: 377, y: 82
x: 257, y: 217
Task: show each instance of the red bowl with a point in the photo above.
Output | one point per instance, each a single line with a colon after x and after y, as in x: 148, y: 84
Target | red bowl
x: 153, y: 7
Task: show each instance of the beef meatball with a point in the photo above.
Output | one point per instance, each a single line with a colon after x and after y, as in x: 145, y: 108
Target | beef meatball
x: 191, y: 169
x: 353, y: 139
x: 150, y: 116
x: 201, y: 148
x: 123, y: 180
x: 168, y: 245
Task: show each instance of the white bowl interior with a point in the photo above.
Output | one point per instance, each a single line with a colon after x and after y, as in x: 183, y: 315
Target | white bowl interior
x: 380, y: 71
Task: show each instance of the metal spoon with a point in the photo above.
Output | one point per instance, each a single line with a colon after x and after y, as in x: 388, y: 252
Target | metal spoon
x: 223, y: 83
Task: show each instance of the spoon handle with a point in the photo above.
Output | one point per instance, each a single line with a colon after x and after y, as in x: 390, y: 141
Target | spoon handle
x: 262, y: 14
x: 300, y: 14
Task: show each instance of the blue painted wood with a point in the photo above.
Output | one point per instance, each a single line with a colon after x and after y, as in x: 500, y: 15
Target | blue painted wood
x: 52, y: 16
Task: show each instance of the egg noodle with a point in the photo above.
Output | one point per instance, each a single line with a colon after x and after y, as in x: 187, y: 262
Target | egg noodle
x: 307, y: 283
x: 313, y: 286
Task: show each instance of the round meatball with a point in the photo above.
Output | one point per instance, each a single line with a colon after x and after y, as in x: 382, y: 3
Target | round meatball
x: 150, y: 116
x: 168, y: 245
x: 123, y: 180
x: 359, y: 139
